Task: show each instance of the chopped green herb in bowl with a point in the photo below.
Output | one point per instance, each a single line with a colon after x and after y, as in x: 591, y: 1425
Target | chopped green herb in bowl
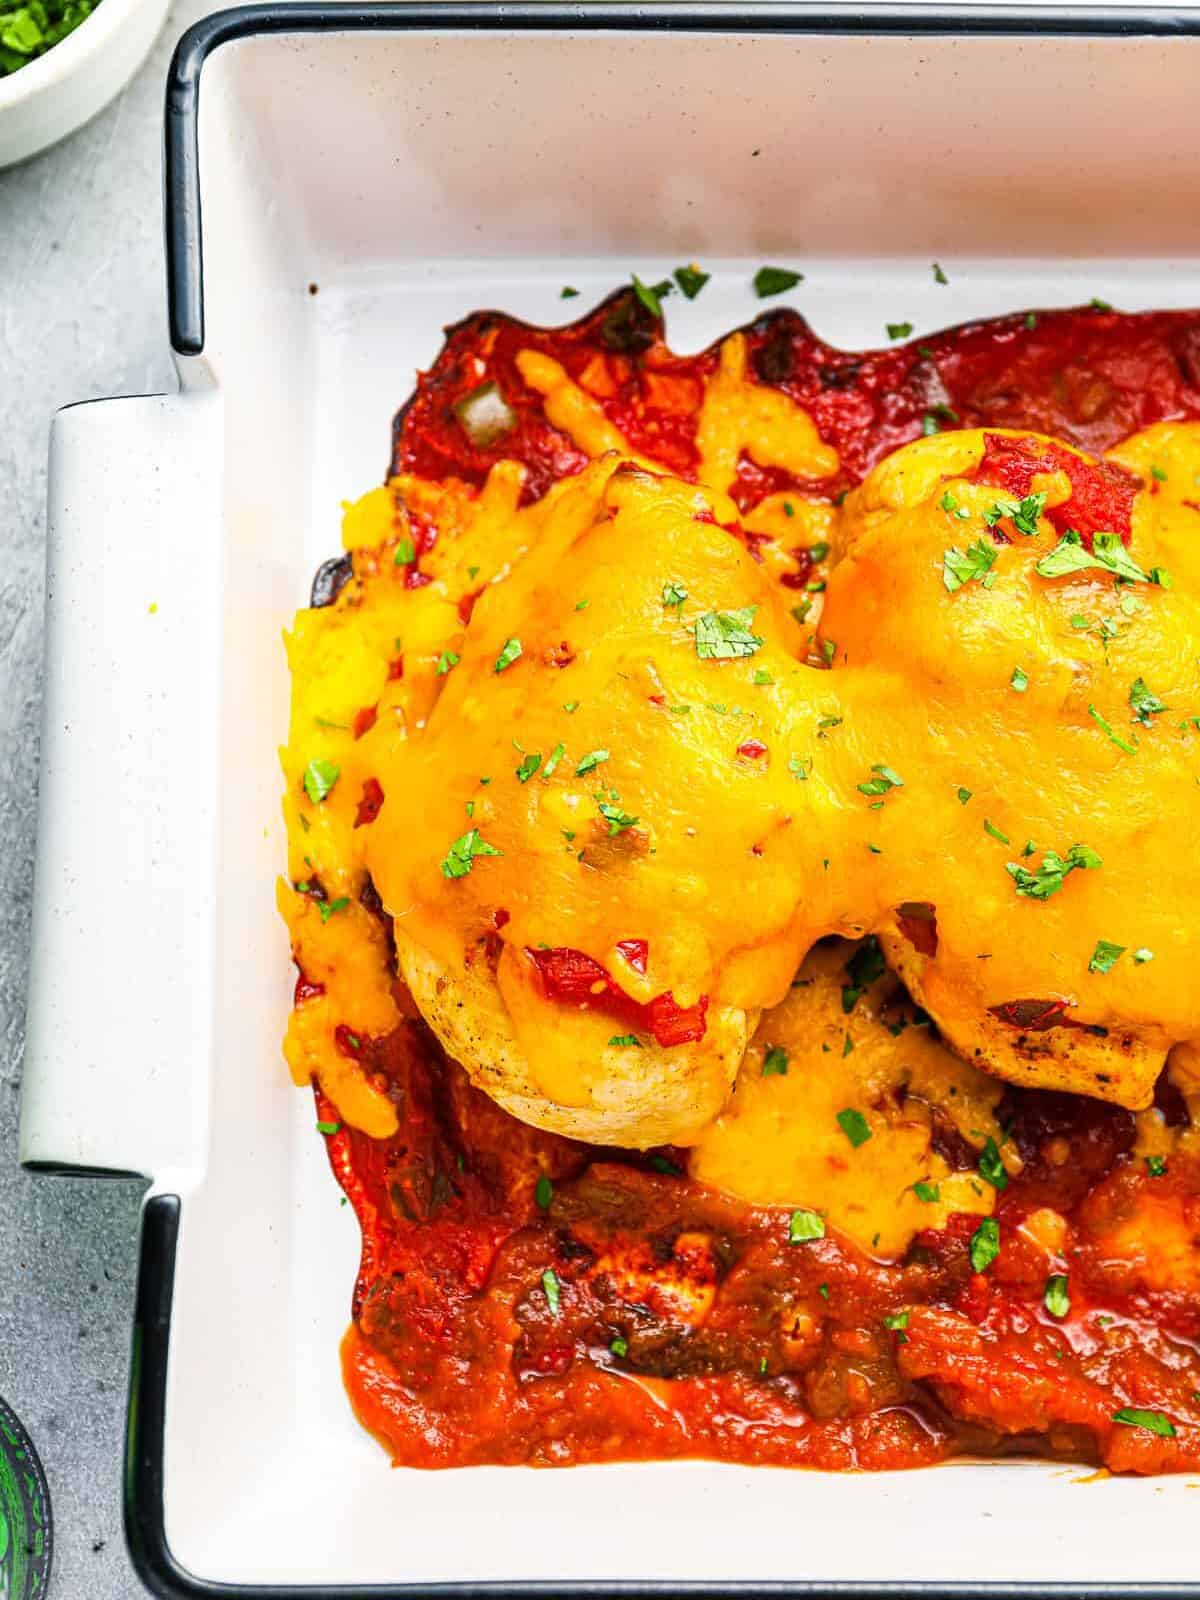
x: 28, y: 31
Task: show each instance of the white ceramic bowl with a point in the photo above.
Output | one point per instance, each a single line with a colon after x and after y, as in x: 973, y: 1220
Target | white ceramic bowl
x: 58, y: 92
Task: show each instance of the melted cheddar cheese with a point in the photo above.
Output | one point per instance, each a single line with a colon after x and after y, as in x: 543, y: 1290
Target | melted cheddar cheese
x: 840, y: 1106
x: 611, y: 727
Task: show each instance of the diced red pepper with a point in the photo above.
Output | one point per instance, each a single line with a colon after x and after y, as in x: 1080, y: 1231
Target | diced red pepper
x: 1101, y: 494
x: 635, y: 952
x: 570, y: 976
x: 371, y: 803
x: 752, y: 749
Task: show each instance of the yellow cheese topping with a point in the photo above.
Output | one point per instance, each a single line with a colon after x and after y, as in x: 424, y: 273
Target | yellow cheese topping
x: 731, y: 805
x: 780, y: 1140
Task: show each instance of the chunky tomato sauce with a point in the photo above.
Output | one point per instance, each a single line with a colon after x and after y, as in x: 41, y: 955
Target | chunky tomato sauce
x: 525, y: 1299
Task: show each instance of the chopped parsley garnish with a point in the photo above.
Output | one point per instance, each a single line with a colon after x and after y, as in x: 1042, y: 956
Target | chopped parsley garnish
x: 762, y: 676
x: 691, y: 280
x: 990, y: 827
x: 617, y: 819
x: 446, y: 662
x: 847, y: 1046
x: 1048, y: 879
x: 854, y: 1125
x: 570, y: 705
x: 567, y: 292
x: 1023, y: 514
x: 823, y: 1290
x: 1145, y: 704
x: 626, y: 1041
x: 1031, y: 320
x: 510, y: 652
x: 899, y: 330
x: 818, y: 551
x: 406, y: 553
x: 884, y: 780
x: 1105, y: 956
x: 1019, y: 679
x: 665, y: 1165
x: 985, y: 1244
x: 550, y: 1290
x: 775, y: 280
x: 1057, y: 1297
x: 950, y: 504
x: 991, y: 1168
x: 460, y: 857
x: 619, y: 1347
x: 553, y: 759
x: 862, y: 969
x: 1107, y: 728
x: 804, y: 1226
x: 938, y: 275
x: 1157, y: 473
x: 319, y: 779
x: 1153, y: 1421
x: 590, y: 762
x: 331, y: 908
x: 329, y: 1128
x: 775, y: 1062
x: 1108, y: 554
x: 930, y: 425
x: 1099, y: 305
x: 963, y: 796
x: 543, y: 1192
x: 799, y: 768
x: 1141, y: 955
x: 1156, y: 1166
x: 673, y: 594
x: 929, y: 1192
x: 726, y: 635
x: 650, y: 296
x: 897, y: 1321
x: 961, y: 566
x: 528, y: 767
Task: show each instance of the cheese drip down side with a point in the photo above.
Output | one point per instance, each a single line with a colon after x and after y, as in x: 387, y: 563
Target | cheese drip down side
x: 724, y: 802
x: 835, y: 1108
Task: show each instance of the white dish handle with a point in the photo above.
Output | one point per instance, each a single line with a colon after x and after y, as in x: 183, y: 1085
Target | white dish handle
x: 118, y: 1045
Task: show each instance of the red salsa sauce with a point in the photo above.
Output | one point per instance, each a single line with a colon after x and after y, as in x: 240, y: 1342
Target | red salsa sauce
x: 526, y: 1299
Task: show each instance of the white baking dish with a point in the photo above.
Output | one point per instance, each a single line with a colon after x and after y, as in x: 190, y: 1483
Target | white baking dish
x: 414, y: 164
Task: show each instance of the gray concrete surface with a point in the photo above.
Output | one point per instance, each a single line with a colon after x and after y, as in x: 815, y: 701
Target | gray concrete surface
x: 82, y: 314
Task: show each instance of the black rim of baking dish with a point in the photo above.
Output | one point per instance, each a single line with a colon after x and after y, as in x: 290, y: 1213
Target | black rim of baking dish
x: 144, y: 1499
